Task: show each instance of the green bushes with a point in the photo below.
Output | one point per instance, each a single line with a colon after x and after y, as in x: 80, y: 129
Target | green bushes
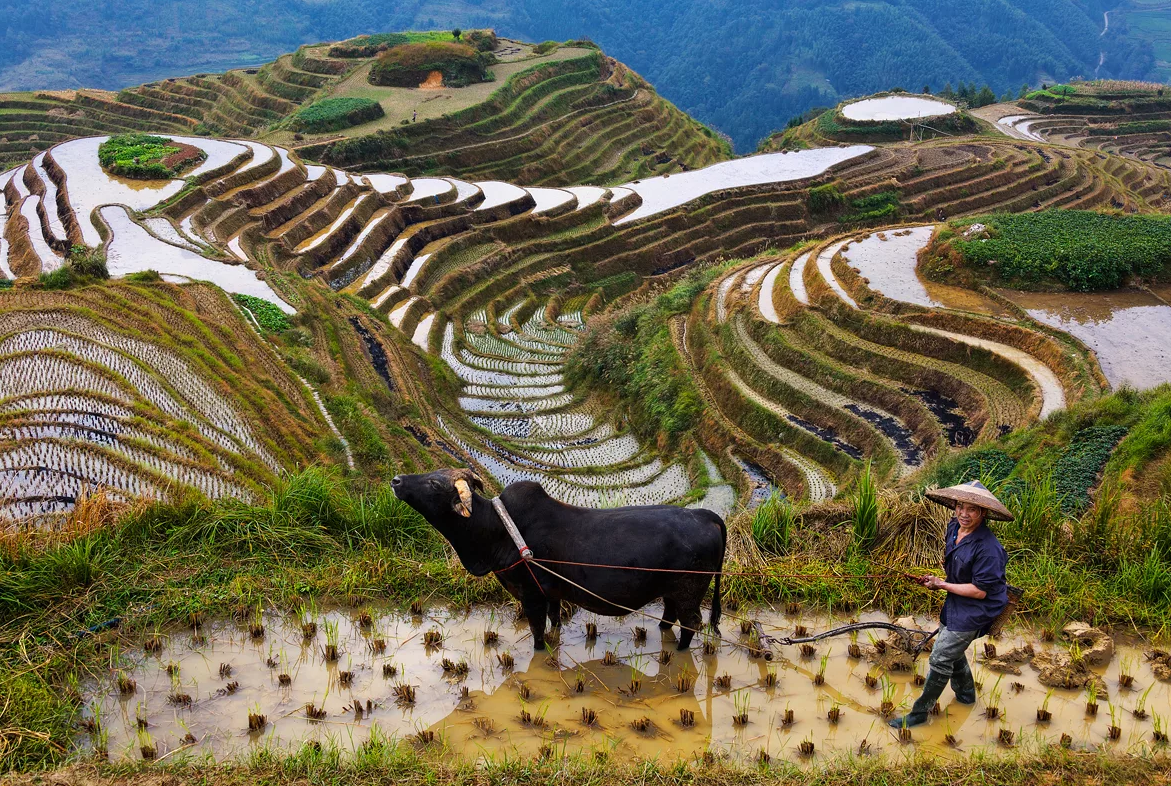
x: 635, y: 357
x: 270, y: 318
x: 545, y: 47
x: 146, y: 157
x: 883, y: 206
x: 1083, y: 250
x: 826, y: 198
x: 334, y: 114
x: 409, y: 65
x: 84, y: 266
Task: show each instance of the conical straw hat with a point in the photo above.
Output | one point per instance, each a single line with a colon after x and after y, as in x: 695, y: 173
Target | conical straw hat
x: 975, y: 493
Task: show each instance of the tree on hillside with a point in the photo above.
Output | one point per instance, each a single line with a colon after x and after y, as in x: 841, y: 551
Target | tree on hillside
x: 456, y: 33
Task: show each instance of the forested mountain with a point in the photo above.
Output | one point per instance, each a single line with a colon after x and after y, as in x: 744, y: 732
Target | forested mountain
x: 743, y: 67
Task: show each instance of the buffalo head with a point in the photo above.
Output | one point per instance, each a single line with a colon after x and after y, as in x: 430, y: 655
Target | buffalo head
x: 436, y: 494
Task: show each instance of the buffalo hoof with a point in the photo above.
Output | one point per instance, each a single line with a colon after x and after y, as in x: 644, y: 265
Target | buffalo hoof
x: 681, y: 647
x: 664, y: 625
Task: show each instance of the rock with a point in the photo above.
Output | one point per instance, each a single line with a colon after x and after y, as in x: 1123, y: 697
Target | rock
x: 1097, y: 647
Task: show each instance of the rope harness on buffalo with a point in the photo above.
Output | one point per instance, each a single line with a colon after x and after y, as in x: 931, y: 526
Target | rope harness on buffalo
x: 913, y: 640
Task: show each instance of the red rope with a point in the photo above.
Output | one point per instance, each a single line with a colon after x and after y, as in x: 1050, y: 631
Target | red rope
x: 527, y: 565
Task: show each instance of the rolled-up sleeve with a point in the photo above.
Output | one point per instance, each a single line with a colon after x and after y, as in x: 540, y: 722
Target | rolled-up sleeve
x: 988, y: 569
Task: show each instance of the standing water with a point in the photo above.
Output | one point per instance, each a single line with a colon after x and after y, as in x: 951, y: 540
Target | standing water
x: 607, y: 686
x: 1128, y: 330
x: 665, y: 192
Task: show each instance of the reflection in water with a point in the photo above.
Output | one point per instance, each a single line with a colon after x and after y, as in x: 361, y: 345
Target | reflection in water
x: 896, y: 108
x: 538, y: 702
x: 133, y: 249
x: 667, y: 191
x: 90, y: 186
x: 1129, y: 330
x: 889, y: 260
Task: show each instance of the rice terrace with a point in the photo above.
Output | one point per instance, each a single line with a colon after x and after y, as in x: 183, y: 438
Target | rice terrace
x: 285, y: 350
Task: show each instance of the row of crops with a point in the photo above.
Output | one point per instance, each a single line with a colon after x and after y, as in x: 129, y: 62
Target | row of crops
x: 835, y: 369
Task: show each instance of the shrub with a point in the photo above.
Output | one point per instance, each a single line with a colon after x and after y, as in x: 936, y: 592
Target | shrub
x: 145, y: 277
x: 545, y: 47
x: 88, y: 262
x: 84, y: 266
x: 334, y: 114
x: 826, y: 198
x: 408, y: 65
x: 146, y: 157
x: 883, y: 205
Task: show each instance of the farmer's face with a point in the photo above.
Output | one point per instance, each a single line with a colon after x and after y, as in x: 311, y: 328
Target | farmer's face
x: 969, y: 515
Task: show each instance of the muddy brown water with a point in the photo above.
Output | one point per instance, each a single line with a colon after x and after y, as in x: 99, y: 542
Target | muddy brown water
x: 538, y: 702
x: 1129, y: 329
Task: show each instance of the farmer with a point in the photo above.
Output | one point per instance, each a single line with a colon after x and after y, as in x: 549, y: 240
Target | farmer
x: 977, y: 593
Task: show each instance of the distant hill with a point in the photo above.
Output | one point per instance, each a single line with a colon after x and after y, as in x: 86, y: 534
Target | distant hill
x: 743, y: 68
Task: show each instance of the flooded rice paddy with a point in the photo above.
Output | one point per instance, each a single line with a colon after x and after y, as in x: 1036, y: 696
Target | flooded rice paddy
x: 889, y: 261
x: 896, y: 108
x: 133, y: 249
x: 90, y: 186
x: 468, y: 681
x: 668, y: 191
x: 1128, y: 330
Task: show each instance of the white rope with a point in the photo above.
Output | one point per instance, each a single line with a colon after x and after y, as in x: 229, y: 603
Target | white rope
x: 525, y: 552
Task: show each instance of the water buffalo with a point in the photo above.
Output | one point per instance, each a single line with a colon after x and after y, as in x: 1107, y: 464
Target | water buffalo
x: 659, y: 536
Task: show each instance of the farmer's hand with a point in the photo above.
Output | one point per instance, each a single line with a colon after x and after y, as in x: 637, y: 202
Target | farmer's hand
x: 933, y: 582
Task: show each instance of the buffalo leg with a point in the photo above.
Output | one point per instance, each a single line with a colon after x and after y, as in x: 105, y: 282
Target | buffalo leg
x: 690, y: 621
x: 535, y: 609
x: 669, y: 614
x: 555, y: 620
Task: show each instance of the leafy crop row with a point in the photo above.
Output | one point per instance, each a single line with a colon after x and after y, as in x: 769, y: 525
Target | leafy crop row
x: 334, y: 114
x: 270, y: 318
x: 1083, y: 250
x: 1076, y: 471
x: 146, y: 157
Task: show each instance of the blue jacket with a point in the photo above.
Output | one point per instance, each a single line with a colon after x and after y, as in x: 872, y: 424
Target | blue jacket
x: 978, y: 559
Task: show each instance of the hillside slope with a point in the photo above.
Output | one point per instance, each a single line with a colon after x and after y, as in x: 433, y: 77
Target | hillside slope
x: 744, y: 68
x: 557, y: 115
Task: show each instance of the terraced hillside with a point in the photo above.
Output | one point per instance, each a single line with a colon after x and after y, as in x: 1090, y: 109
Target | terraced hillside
x: 561, y: 115
x: 1130, y: 119
x: 102, y: 391
x: 437, y: 312
x: 798, y: 349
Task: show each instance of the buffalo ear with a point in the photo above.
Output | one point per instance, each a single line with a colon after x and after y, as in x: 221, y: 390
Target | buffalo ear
x: 473, y: 479
x: 463, y: 504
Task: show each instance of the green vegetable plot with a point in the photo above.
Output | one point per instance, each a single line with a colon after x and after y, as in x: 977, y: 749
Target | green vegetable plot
x: 146, y: 157
x: 1084, y: 250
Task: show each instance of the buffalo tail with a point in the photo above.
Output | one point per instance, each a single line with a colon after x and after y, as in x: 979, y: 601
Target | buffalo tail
x: 714, y: 619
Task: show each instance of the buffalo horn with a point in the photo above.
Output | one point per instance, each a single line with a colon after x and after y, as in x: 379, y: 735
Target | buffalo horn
x: 464, y: 506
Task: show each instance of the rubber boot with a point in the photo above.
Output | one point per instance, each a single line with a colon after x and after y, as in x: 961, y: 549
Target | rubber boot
x: 918, y: 714
x: 963, y: 682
